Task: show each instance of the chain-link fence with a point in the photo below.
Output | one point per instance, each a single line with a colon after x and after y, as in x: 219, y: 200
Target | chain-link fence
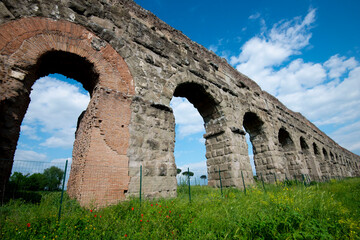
x: 30, y: 180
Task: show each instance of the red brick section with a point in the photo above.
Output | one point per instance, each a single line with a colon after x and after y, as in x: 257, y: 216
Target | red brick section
x: 100, y: 162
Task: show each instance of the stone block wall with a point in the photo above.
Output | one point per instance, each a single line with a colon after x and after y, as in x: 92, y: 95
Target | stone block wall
x: 132, y: 64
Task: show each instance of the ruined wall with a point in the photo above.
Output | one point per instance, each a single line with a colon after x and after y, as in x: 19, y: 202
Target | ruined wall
x: 136, y: 64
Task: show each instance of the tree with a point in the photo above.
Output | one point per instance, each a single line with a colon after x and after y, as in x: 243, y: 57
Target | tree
x: 188, y: 173
x: 18, y: 180
x: 53, y: 176
x: 36, y: 182
x: 178, y: 170
x: 203, y: 177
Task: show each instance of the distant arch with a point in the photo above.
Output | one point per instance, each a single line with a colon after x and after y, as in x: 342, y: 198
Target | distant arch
x: 303, y: 144
x: 326, y: 156
x: 316, y: 149
x: 285, y: 140
x: 254, y: 126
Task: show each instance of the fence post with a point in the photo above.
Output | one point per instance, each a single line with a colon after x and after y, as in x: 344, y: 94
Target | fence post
x: 140, y: 184
x: 242, y: 176
x: 296, y: 181
x: 220, y: 183
x: 275, y: 178
x: 304, y: 181
x: 189, y: 185
x: 263, y: 182
x: 62, y: 190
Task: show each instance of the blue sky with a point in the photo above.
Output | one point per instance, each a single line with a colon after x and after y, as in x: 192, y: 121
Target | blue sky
x: 306, y: 53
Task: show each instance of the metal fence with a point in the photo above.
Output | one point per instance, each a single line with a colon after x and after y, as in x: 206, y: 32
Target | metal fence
x: 29, y: 180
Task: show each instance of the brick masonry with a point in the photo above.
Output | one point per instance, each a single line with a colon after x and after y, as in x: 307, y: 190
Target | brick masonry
x: 132, y: 64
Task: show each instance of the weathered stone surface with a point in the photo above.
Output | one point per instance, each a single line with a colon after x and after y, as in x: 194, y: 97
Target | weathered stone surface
x: 132, y: 64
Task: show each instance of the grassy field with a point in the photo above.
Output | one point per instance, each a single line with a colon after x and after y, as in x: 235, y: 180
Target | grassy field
x: 323, y: 211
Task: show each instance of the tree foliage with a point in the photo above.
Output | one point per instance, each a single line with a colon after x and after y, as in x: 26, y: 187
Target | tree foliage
x: 188, y: 173
x: 203, y: 177
x: 53, y: 175
x: 178, y: 170
x: 49, y: 180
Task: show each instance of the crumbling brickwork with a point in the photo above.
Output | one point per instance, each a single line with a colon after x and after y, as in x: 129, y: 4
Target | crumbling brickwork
x: 132, y: 64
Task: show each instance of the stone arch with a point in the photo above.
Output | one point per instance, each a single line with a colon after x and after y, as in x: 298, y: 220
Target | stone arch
x: 316, y: 150
x: 291, y: 159
x: 209, y: 109
x: 333, y: 164
x: 33, y: 47
x: 285, y: 140
x: 255, y: 127
x: 310, y: 160
x: 200, y: 98
x: 325, y: 166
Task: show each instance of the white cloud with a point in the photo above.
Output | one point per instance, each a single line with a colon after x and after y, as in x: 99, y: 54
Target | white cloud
x: 62, y: 138
x: 275, y: 46
x: 187, y: 118
x: 345, y: 136
x: 29, y: 156
x: 326, y: 93
x: 54, y: 109
x: 198, y: 168
x: 337, y: 66
x: 254, y: 16
x: 30, y: 132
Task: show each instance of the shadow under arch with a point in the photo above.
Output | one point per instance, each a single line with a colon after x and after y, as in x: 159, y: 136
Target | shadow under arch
x: 68, y: 64
x: 288, y: 148
x: 202, y: 100
x: 325, y: 166
x: 313, y: 169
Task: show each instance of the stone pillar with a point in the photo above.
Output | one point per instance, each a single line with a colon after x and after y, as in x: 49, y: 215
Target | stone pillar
x: 152, y: 142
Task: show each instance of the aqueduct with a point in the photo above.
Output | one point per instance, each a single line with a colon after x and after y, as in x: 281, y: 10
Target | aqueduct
x: 132, y: 64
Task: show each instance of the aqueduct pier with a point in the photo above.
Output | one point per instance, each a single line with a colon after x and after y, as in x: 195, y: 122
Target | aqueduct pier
x: 132, y: 64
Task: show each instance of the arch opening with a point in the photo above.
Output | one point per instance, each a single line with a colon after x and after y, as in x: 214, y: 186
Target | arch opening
x: 313, y: 169
x: 285, y: 140
x: 303, y: 144
x: 316, y: 149
x: 47, y: 127
x: 195, y: 100
x: 253, y: 126
x: 326, y: 156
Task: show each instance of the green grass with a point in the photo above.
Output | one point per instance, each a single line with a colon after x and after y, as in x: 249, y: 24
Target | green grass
x: 324, y: 211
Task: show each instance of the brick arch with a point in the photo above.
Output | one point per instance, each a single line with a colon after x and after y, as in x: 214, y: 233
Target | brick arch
x: 103, y: 138
x: 23, y: 41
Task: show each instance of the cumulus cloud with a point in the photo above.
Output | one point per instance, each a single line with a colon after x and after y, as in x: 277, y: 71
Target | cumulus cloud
x: 30, y: 132
x: 198, y: 168
x: 187, y: 117
x: 54, y: 108
x: 29, y: 156
x: 347, y: 135
x: 327, y: 93
x: 254, y: 16
x: 338, y: 65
